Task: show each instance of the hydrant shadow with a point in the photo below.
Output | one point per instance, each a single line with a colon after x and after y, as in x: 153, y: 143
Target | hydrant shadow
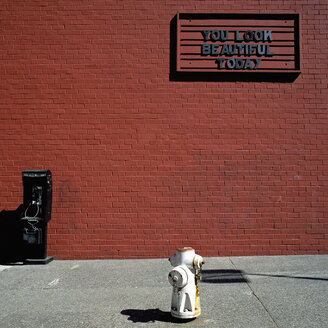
x: 223, y: 276
x: 151, y: 315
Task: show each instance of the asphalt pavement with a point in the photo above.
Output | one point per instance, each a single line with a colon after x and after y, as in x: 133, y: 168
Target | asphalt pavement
x: 254, y: 292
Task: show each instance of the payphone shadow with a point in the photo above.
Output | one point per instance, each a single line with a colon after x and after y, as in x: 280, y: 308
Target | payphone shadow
x: 9, y: 239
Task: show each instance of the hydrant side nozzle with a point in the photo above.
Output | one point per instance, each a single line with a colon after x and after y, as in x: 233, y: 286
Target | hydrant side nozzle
x: 172, y: 260
x: 178, y: 277
x: 198, y: 261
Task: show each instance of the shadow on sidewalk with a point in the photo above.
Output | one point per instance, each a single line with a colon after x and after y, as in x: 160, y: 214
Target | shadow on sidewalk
x: 239, y: 276
x: 285, y: 276
x: 223, y: 276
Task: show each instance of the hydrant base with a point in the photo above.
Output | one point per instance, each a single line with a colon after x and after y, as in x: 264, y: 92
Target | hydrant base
x: 185, y: 315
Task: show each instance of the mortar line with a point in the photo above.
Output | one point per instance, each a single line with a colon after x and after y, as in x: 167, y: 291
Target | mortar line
x: 253, y: 292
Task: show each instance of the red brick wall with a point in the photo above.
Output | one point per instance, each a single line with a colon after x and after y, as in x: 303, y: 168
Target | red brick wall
x: 142, y: 164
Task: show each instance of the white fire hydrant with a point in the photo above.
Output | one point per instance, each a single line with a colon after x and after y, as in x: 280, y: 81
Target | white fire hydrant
x: 184, y: 279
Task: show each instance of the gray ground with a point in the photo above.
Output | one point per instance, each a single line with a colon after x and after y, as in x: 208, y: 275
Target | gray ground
x: 264, y: 292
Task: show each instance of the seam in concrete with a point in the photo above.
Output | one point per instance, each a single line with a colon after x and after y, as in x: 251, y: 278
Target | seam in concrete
x: 258, y: 299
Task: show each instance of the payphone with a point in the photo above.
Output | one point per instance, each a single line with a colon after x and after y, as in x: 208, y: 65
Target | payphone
x: 37, y: 201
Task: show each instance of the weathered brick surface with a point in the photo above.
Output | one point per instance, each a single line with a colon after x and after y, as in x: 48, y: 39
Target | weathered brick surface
x: 142, y: 164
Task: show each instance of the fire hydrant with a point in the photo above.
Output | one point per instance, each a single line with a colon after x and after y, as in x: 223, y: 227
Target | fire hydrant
x: 184, y: 279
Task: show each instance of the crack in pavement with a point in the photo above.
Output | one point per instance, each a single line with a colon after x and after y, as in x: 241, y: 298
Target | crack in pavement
x: 253, y: 292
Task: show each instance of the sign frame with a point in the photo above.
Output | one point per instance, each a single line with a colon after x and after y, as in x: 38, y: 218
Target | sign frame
x: 204, y: 43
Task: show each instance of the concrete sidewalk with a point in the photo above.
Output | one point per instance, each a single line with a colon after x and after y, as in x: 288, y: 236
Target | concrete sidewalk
x: 263, y: 292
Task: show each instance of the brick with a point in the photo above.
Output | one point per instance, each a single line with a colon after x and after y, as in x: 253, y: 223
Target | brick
x: 142, y: 164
